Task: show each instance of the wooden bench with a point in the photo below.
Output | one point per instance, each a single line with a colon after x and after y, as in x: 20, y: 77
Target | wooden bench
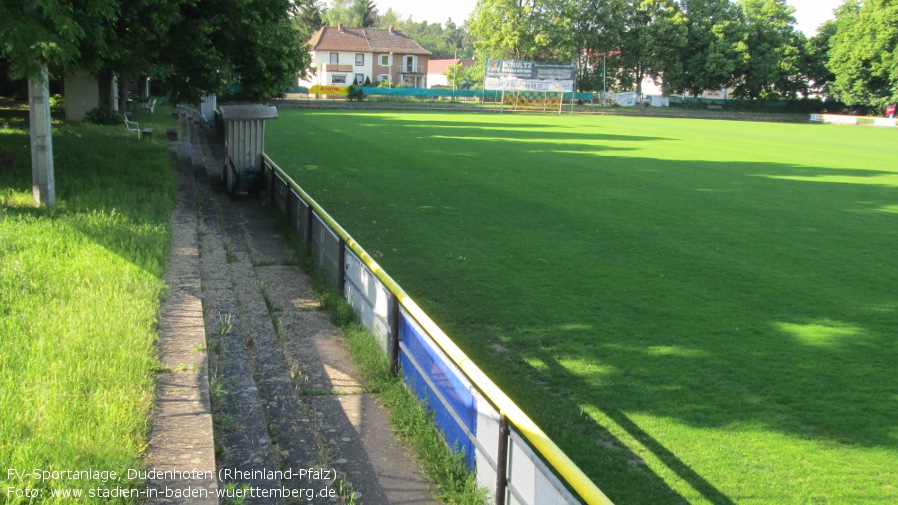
x: 712, y: 106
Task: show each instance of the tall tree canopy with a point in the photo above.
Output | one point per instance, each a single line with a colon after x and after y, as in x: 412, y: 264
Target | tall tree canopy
x: 772, y: 56
x: 712, y: 50
x: 864, y: 52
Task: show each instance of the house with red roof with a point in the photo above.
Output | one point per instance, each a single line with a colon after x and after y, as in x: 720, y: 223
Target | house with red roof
x: 341, y: 56
x: 438, y: 70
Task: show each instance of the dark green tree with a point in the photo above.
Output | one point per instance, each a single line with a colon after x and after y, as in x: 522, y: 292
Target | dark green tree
x: 653, y: 35
x: 711, y: 54
x: 309, y: 18
x: 772, y: 51
x: 366, y: 10
x: 818, y: 74
x: 222, y: 42
x: 864, y: 52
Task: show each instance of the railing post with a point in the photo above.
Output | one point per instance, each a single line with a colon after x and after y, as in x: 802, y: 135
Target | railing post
x: 394, y: 335
x: 270, y: 183
x: 502, y: 463
x: 291, y: 210
x: 341, y: 268
x: 310, y: 218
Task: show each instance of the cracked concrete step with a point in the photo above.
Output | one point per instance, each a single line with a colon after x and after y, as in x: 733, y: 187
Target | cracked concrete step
x: 309, y: 390
x: 296, y: 441
x: 242, y: 440
x: 360, y: 439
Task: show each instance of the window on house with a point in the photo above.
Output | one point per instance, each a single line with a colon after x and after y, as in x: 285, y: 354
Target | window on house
x: 338, y: 79
x: 384, y: 60
x: 384, y: 78
x: 411, y: 63
x: 335, y: 58
x: 360, y: 78
x: 359, y: 59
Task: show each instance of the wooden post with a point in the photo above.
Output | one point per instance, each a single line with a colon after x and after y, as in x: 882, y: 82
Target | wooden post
x: 43, y: 184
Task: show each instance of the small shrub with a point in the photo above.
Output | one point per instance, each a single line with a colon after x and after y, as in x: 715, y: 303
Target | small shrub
x: 57, y: 101
x: 97, y: 116
x: 355, y: 93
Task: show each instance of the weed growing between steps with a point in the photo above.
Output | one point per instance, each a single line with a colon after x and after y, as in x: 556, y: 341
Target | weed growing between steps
x: 412, y: 422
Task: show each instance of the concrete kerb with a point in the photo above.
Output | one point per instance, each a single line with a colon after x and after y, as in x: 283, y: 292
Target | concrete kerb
x: 181, y: 437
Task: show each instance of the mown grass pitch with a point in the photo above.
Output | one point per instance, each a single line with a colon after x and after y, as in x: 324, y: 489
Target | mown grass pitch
x: 696, y: 311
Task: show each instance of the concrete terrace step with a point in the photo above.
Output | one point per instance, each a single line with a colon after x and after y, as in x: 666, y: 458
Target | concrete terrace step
x: 305, y: 389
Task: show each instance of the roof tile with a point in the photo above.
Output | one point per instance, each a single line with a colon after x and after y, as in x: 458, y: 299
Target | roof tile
x: 370, y: 40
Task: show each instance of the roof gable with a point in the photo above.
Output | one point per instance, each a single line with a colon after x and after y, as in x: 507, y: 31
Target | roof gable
x: 369, y: 40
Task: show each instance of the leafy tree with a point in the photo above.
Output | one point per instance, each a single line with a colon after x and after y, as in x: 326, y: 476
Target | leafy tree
x: 35, y: 37
x: 864, y: 52
x: 817, y: 49
x: 221, y: 42
x: 594, y: 36
x: 518, y: 29
x: 711, y: 54
x: 366, y: 11
x: 654, y: 33
x: 341, y: 11
x: 772, y: 51
x: 309, y: 19
x: 51, y: 32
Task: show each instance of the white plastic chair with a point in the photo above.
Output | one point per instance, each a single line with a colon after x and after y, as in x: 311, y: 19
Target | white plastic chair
x: 132, y: 126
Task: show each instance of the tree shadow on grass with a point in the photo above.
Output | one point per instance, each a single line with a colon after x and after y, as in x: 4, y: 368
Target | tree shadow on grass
x: 116, y: 192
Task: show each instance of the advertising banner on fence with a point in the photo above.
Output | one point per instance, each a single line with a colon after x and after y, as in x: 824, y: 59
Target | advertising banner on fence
x: 516, y: 75
x: 321, y: 89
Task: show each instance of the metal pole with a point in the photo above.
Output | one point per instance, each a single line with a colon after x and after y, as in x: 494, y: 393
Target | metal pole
x: 502, y: 463
x: 43, y: 183
x: 310, y: 218
x: 394, y: 335
x: 341, y: 268
x: 454, y: 74
x: 604, y: 92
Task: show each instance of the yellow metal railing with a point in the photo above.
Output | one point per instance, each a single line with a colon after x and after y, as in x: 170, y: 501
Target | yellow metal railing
x: 556, y: 458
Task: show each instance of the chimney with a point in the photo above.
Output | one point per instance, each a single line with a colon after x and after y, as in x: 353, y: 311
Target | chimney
x: 392, y: 31
x: 340, y: 27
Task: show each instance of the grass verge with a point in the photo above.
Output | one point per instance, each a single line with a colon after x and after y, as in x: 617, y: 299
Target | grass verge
x: 80, y: 285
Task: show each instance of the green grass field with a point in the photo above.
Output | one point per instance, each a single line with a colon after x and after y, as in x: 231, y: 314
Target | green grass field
x: 695, y: 311
x: 79, y: 289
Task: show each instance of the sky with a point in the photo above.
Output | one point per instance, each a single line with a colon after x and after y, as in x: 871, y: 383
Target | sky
x: 809, y: 13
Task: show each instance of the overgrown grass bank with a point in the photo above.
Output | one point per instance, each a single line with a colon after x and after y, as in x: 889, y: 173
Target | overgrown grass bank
x: 695, y: 311
x: 80, y: 285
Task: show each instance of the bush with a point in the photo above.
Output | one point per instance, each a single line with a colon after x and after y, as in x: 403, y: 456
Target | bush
x: 355, y: 93
x: 57, y: 101
x: 97, y: 116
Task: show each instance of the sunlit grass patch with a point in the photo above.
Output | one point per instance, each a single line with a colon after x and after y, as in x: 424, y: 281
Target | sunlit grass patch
x: 80, y: 285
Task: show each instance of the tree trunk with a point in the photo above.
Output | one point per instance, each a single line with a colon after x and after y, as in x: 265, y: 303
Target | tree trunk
x: 123, y: 85
x: 43, y: 185
x: 104, y: 83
